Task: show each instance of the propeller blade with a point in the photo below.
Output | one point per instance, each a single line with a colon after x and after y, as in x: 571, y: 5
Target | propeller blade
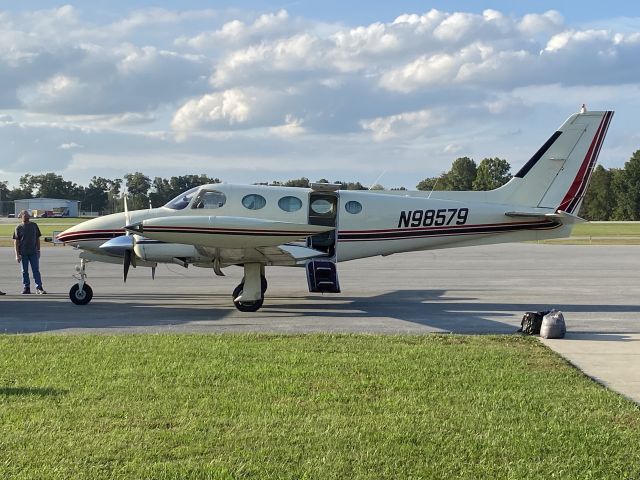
x: 127, y: 217
x: 127, y: 264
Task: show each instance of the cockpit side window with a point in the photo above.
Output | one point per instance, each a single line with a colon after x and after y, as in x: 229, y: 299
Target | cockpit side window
x: 209, y: 199
x: 182, y: 200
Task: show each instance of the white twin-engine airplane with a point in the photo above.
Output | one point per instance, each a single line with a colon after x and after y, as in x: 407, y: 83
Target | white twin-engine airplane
x: 219, y: 225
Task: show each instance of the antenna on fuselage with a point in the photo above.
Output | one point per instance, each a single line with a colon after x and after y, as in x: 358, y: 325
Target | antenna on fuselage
x: 434, y: 187
x: 376, y: 180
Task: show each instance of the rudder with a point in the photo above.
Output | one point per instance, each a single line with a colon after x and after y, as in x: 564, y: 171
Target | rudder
x: 557, y: 175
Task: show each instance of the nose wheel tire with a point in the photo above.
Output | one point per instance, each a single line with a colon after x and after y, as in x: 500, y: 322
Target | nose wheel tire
x: 253, y: 306
x: 81, y: 296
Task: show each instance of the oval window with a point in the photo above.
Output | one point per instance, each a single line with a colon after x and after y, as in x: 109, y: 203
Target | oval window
x: 353, y: 207
x: 290, y: 204
x: 210, y: 199
x: 321, y: 206
x: 254, y: 201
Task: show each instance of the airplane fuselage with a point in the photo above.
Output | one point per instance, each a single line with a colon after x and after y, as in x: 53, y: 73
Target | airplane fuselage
x: 367, y: 223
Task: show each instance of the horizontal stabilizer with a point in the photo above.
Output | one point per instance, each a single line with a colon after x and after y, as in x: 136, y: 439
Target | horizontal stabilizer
x: 559, y: 215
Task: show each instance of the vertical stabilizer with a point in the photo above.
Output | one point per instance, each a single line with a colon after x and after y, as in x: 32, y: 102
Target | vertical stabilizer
x: 558, y: 173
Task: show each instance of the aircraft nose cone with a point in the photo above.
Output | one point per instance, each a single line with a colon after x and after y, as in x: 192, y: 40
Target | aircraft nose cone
x: 118, y: 245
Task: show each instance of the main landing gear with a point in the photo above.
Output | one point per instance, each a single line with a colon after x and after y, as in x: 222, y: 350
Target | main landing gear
x: 248, y: 296
x: 81, y: 293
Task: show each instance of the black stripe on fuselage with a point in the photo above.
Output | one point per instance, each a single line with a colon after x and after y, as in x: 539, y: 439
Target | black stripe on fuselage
x: 223, y: 232
x: 466, y: 230
x: 78, y: 237
x: 538, y: 155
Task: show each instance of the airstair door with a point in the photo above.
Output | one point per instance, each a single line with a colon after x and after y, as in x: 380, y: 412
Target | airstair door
x: 322, y: 274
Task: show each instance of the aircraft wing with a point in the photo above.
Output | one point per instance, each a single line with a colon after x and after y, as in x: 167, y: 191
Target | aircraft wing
x: 224, y: 231
x: 284, y: 255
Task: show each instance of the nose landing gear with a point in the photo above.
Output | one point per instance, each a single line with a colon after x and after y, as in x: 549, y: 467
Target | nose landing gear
x: 81, y: 293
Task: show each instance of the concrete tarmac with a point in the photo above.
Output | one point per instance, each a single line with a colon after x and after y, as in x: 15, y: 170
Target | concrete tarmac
x: 473, y: 290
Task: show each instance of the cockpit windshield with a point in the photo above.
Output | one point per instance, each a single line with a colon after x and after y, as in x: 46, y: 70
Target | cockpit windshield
x: 182, y: 200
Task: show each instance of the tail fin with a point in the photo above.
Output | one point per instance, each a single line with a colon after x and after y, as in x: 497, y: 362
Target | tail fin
x: 558, y: 173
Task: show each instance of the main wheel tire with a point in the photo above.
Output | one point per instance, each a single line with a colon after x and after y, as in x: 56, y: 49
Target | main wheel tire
x: 253, y: 306
x: 263, y: 284
x: 81, y: 297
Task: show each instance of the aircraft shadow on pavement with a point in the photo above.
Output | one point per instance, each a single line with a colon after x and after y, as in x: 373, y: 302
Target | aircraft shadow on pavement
x: 423, y: 310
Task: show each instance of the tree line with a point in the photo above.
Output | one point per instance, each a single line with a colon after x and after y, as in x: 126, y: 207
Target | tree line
x: 613, y: 194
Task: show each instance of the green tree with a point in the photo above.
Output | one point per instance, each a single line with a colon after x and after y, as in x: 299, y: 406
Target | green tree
x: 95, y: 198
x: 428, y: 184
x: 350, y: 185
x: 163, y: 190
x: 51, y: 185
x: 626, y: 187
x: 491, y: 174
x: 4, y: 200
x: 138, y: 186
x: 599, y: 200
x: 300, y: 182
x: 462, y: 174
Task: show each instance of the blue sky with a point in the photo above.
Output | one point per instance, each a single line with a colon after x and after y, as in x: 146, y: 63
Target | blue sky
x: 257, y: 91
x: 355, y: 12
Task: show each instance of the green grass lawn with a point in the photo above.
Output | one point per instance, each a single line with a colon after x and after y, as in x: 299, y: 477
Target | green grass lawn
x: 313, y: 406
x: 607, y: 229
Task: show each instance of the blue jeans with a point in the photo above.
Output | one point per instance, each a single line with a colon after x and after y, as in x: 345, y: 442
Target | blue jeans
x: 34, y: 260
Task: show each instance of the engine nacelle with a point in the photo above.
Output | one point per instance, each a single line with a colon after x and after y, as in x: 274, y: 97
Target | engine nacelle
x: 151, y: 251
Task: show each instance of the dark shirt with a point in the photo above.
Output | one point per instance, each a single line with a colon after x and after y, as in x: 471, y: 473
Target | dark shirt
x: 27, y: 235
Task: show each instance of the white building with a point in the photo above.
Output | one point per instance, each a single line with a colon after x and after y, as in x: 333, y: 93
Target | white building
x: 59, y: 207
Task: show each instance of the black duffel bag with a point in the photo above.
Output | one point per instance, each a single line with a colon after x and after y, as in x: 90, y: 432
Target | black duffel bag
x: 531, y: 322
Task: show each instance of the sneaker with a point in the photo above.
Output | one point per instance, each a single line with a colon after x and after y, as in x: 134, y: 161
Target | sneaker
x: 2, y: 293
x: 40, y: 291
x: 26, y: 291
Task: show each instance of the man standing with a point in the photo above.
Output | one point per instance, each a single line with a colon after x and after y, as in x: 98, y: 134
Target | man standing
x: 26, y: 239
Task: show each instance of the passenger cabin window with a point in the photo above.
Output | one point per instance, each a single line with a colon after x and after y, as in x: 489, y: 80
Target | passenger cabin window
x: 290, y: 204
x: 209, y: 199
x: 254, y: 201
x: 182, y: 200
x: 321, y: 206
x: 353, y: 207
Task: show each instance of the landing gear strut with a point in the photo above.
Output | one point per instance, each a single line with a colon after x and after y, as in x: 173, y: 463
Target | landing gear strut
x: 81, y: 293
x: 248, y: 296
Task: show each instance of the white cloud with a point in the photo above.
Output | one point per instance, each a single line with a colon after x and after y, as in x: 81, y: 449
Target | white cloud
x: 238, y: 33
x: 292, y: 127
x: 226, y: 108
x: 404, y: 124
x: 69, y: 146
x: 182, y: 84
x: 534, y: 24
